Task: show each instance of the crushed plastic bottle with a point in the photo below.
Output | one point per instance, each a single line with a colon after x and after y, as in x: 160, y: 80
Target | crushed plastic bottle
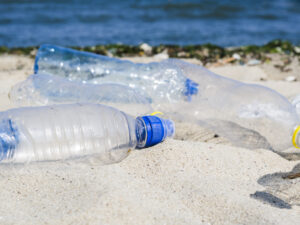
x: 249, y: 115
x: 76, y: 131
x: 165, y: 82
x: 262, y: 117
x: 43, y: 89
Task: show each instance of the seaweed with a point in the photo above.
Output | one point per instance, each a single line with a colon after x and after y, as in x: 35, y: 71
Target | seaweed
x: 205, y: 52
x: 18, y: 50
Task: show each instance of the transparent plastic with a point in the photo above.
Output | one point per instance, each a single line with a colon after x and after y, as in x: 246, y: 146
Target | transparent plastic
x: 74, y: 131
x: 164, y: 81
x: 296, y: 103
x: 249, y: 115
x: 43, y: 89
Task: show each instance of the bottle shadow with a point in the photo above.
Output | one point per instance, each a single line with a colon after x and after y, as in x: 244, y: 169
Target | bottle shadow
x: 290, y: 156
x: 282, y: 189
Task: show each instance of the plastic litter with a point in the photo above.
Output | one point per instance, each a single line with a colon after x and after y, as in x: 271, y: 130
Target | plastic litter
x: 269, y: 117
x: 43, y: 89
x: 165, y: 82
x: 76, y: 131
x: 249, y: 115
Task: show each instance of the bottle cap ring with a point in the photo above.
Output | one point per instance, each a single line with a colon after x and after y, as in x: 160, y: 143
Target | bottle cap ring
x: 155, y: 113
x: 295, y: 134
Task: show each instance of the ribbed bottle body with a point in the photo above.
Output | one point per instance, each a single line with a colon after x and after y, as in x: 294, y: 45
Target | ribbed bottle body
x: 65, y: 132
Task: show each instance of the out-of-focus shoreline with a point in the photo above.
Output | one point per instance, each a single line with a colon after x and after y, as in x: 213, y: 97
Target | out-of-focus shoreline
x: 279, y: 59
x: 207, y: 53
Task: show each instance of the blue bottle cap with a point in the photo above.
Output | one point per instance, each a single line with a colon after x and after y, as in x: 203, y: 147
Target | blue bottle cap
x: 155, y: 130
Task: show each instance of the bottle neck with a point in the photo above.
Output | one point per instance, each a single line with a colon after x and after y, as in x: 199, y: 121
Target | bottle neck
x: 151, y: 130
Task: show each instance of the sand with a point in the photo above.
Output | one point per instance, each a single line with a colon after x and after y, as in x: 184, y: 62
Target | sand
x: 194, y: 179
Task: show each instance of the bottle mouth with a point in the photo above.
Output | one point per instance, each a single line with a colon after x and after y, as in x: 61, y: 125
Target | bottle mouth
x: 296, y: 137
x: 140, y: 132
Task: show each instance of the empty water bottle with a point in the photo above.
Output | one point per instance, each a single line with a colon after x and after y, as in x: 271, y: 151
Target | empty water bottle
x: 76, y: 131
x: 262, y: 117
x: 164, y: 81
x: 43, y: 89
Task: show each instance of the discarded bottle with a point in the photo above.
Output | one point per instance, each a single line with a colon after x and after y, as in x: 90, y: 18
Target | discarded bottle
x: 76, y: 131
x: 296, y: 103
x: 43, y: 89
x: 249, y: 115
x: 163, y: 81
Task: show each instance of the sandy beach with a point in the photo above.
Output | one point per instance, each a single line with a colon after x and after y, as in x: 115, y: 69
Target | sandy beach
x: 195, y: 178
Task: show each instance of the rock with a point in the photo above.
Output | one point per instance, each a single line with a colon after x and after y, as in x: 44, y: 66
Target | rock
x: 109, y: 54
x: 181, y: 54
x: 33, y: 52
x: 291, y: 79
x: 161, y: 56
x: 297, y: 49
x: 146, y: 48
x: 236, y: 56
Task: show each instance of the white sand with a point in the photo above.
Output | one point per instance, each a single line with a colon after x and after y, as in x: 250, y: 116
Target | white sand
x: 183, y: 181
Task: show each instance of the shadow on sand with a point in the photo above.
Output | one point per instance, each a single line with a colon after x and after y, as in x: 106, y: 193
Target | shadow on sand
x: 282, y: 189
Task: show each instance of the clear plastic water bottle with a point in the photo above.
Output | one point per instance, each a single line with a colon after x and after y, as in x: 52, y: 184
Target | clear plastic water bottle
x: 76, y: 131
x: 165, y: 82
x: 43, y: 89
x: 249, y: 115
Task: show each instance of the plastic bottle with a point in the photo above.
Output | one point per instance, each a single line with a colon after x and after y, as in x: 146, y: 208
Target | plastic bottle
x: 76, y: 131
x: 249, y: 115
x: 296, y: 103
x: 165, y: 82
x: 43, y: 89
